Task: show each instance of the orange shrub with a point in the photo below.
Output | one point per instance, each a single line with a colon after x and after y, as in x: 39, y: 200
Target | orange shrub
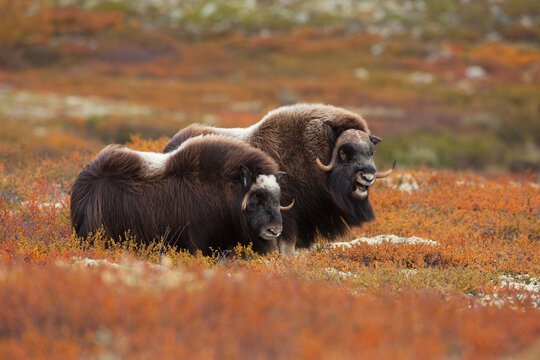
x: 137, y: 143
x: 23, y: 24
x: 71, y: 20
x: 367, y: 301
x: 81, y: 312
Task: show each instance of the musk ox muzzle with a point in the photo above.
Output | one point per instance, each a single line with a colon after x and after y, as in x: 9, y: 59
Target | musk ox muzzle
x: 365, y: 180
x: 271, y: 232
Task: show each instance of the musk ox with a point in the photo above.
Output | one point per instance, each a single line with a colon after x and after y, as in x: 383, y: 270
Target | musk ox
x: 302, y: 138
x: 212, y: 192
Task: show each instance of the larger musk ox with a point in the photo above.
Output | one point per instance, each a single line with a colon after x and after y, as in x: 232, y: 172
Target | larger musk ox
x: 211, y: 192
x: 327, y: 152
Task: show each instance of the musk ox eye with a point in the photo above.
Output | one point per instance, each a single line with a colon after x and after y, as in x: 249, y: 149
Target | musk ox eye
x: 257, y: 199
x: 280, y: 175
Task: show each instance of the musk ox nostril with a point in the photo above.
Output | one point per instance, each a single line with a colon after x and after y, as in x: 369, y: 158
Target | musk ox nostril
x: 272, y: 232
x: 368, y: 178
x: 365, y: 179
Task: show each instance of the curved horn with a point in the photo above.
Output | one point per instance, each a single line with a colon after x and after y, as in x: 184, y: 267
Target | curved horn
x: 326, y: 168
x: 288, y: 207
x: 379, y: 175
x: 244, y: 202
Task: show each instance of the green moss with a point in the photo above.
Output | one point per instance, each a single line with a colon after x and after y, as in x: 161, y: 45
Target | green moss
x: 443, y: 150
x: 112, y: 6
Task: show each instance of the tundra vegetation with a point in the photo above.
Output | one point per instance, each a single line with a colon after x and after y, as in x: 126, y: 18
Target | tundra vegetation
x: 451, y: 87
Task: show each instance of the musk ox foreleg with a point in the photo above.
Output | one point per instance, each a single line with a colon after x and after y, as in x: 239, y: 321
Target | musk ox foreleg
x: 287, y: 246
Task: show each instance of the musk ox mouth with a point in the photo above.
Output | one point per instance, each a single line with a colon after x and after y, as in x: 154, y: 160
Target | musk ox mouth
x: 363, y: 182
x: 361, y: 191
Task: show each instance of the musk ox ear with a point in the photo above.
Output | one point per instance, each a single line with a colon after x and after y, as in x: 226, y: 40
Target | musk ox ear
x: 245, y: 176
x: 330, y: 134
x: 280, y: 175
x: 375, y: 139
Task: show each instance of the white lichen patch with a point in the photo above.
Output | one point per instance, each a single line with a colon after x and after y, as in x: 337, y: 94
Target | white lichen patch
x: 522, y: 287
x: 521, y: 282
x: 340, y: 274
x: 44, y: 205
x: 404, y: 182
x: 419, y: 77
x: 46, y: 106
x: 90, y: 262
x: 524, y: 184
x: 140, y: 274
x: 382, y: 239
x: 470, y: 183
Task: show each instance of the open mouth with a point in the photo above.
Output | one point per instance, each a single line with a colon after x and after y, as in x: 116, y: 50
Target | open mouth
x: 361, y: 191
x: 362, y: 183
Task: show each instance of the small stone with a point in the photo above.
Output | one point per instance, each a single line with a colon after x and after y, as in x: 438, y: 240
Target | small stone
x: 361, y: 73
x: 208, y: 10
x: 376, y: 50
x: 475, y: 72
x: 421, y: 78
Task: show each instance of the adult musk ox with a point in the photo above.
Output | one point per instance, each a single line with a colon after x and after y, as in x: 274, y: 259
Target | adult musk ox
x: 327, y: 152
x: 211, y: 192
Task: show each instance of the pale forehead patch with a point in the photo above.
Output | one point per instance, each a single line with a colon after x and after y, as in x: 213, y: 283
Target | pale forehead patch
x: 266, y: 182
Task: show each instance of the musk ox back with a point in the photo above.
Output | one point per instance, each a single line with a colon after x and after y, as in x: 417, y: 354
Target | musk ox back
x: 211, y: 192
x: 303, y: 138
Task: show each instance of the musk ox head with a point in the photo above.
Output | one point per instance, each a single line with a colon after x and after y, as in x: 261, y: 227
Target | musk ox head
x: 352, y: 171
x: 260, y: 205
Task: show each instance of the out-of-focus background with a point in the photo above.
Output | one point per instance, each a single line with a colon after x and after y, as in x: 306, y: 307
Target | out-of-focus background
x: 450, y: 269
x: 447, y: 84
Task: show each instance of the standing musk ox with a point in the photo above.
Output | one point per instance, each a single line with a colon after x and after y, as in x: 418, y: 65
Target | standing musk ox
x: 303, y: 138
x: 211, y: 192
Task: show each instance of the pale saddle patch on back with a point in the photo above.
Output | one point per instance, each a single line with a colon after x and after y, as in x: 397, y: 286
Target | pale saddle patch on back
x: 154, y: 163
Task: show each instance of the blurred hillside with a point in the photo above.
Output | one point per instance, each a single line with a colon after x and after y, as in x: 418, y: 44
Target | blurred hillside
x: 451, y: 84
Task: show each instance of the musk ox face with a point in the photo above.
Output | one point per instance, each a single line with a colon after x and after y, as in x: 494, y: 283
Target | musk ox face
x: 355, y: 169
x: 260, y: 205
x: 352, y: 171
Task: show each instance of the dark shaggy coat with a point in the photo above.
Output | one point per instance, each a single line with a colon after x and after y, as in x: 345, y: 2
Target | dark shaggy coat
x: 191, y: 198
x: 295, y: 136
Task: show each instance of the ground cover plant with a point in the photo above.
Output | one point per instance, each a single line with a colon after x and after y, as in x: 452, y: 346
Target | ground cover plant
x: 472, y: 293
x: 449, y: 269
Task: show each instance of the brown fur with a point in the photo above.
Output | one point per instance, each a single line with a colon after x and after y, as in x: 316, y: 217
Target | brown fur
x: 295, y: 136
x: 193, y: 202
